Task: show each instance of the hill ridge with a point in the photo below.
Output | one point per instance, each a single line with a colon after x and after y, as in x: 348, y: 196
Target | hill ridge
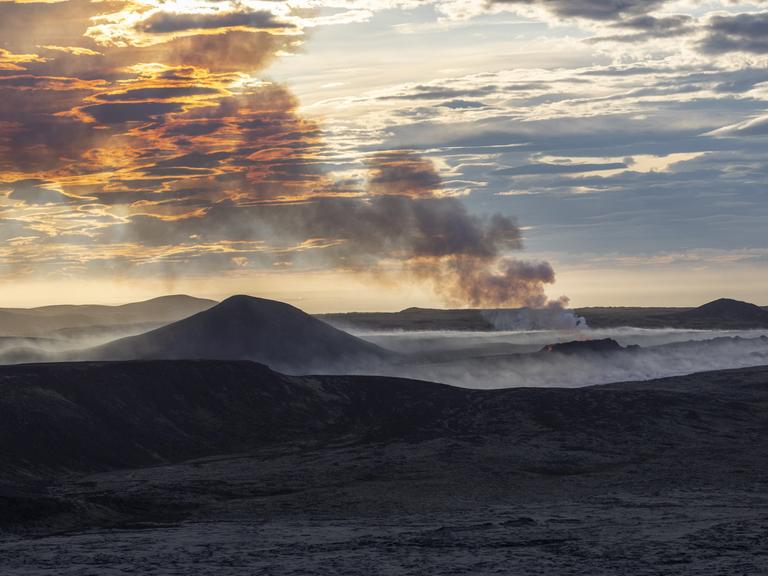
x: 248, y: 328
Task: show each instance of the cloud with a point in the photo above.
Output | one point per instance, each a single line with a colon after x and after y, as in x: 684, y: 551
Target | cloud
x: 590, y: 9
x: 38, y: 82
x: 75, y: 50
x: 145, y: 23
x: 752, y: 127
x: 736, y: 33
x: 158, y: 93
x: 35, y: 192
x: 646, y: 27
x: 128, y: 112
x: 544, y: 168
x: 231, y: 51
x: 11, y: 61
x: 461, y: 104
x: 437, y: 92
x: 164, y: 22
x: 403, y: 174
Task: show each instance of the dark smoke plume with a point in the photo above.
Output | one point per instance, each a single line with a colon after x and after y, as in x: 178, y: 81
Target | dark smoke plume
x: 461, y: 254
x: 407, y: 219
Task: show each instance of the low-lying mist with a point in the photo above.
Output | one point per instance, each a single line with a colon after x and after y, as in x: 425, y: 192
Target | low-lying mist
x: 513, y: 359
x: 63, y: 344
x: 534, y: 340
x: 478, y: 359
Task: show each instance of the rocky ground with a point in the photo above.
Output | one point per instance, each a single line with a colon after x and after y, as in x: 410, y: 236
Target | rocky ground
x: 397, y: 477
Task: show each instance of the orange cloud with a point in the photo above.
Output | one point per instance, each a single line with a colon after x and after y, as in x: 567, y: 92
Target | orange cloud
x: 11, y: 61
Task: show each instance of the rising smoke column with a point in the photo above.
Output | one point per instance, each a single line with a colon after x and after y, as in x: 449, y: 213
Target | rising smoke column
x: 403, y: 223
x: 462, y: 255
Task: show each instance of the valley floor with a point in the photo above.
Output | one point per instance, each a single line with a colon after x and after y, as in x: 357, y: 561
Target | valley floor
x: 684, y: 534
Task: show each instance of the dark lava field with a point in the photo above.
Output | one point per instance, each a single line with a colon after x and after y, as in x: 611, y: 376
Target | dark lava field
x: 203, y: 467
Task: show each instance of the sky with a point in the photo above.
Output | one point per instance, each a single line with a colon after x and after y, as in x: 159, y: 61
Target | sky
x: 380, y: 154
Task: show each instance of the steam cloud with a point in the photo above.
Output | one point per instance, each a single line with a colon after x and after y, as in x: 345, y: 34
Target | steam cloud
x: 502, y: 360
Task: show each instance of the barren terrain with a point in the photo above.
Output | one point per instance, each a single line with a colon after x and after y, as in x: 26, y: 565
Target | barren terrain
x: 323, y: 475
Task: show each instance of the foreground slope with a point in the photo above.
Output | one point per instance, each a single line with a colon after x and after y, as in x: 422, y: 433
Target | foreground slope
x: 102, y: 415
x: 228, y: 468
x: 248, y: 328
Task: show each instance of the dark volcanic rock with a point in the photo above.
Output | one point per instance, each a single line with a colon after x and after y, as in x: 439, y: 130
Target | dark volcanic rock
x: 227, y: 468
x: 247, y: 328
x: 119, y: 415
x: 107, y: 415
x: 604, y: 346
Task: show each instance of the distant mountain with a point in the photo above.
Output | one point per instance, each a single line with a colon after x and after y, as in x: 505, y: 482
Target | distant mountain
x: 723, y: 314
x: 411, y: 319
x: 248, y: 328
x: 726, y: 310
x: 81, y: 320
x: 470, y: 320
